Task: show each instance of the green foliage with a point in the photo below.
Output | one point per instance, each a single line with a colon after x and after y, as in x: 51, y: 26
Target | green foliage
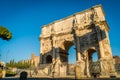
x: 5, y: 34
x: 11, y: 64
x: 10, y: 73
x: 0, y: 73
x: 20, y: 64
x: 0, y: 70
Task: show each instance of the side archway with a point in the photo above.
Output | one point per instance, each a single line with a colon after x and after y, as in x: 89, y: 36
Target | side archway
x: 49, y: 59
x: 92, y: 60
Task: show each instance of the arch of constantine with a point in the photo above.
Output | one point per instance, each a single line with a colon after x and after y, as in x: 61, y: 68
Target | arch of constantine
x: 88, y: 32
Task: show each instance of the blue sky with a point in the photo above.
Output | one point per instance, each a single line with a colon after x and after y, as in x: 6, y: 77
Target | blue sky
x: 24, y: 19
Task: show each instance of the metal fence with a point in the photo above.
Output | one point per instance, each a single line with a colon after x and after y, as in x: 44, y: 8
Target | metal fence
x: 117, y: 68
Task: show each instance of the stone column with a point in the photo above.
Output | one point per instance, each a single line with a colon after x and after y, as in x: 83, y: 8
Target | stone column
x: 87, y: 64
x: 76, y: 43
x: 78, y: 56
x: 101, y: 52
x: 44, y: 59
x: 41, y: 58
x: 100, y: 42
x: 56, y: 60
x: 53, y: 48
x: 80, y: 64
x: 57, y: 54
x: 53, y: 52
x: 57, y: 64
x: 110, y: 62
x: 106, y: 63
x: 53, y: 57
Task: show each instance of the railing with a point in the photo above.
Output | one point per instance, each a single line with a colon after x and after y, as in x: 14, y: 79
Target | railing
x: 117, y: 68
x: 94, y: 68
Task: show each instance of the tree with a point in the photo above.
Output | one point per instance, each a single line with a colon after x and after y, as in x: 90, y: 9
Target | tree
x: 5, y: 34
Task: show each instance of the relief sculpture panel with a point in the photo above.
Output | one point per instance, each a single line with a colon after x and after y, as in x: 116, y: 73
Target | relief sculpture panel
x: 46, y: 47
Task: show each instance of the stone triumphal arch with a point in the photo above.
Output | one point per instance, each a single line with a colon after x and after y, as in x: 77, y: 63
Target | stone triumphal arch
x: 88, y: 31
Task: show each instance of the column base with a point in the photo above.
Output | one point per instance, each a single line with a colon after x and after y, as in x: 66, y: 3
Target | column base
x: 56, y: 68
x: 79, y: 70
x: 107, y: 68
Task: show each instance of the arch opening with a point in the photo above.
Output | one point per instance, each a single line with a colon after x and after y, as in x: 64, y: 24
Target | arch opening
x: 95, y: 57
x: 72, y: 55
x: 68, y: 52
x: 93, y: 62
x: 49, y: 59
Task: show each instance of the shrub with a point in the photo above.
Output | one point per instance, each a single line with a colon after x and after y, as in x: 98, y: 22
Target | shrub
x: 10, y: 73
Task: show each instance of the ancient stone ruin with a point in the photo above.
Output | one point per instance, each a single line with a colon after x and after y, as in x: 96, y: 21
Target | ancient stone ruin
x: 88, y: 31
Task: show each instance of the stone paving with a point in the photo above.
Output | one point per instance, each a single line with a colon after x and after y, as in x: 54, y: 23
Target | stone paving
x: 62, y: 79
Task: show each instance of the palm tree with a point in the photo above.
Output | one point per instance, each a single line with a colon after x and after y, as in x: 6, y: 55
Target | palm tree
x: 5, y: 34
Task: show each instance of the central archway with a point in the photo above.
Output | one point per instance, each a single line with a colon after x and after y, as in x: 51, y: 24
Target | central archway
x: 68, y: 56
x: 68, y: 52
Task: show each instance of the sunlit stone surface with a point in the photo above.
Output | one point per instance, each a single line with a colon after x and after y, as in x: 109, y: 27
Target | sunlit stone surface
x: 88, y: 31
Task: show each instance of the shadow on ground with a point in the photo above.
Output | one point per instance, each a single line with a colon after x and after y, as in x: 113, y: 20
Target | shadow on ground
x: 61, y: 79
